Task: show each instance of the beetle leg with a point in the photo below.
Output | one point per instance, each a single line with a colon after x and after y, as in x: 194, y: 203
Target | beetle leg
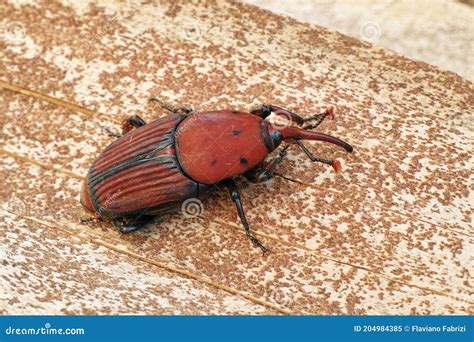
x: 132, y: 225
x: 260, y: 174
x: 132, y: 122
x: 234, y: 194
x: 173, y: 109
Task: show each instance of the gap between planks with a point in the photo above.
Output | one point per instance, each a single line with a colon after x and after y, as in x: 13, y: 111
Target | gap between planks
x: 233, y: 226
x: 55, y: 101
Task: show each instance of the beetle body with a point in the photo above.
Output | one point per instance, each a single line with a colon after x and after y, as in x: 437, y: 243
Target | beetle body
x: 154, y: 168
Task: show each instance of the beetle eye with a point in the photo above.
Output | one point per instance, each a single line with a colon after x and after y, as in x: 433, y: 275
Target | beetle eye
x: 276, y: 139
x: 265, y: 110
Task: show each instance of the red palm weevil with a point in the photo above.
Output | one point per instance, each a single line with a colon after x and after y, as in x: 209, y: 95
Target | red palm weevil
x: 153, y: 168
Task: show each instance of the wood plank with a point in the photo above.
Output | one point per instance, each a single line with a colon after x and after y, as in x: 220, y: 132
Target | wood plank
x: 391, y: 234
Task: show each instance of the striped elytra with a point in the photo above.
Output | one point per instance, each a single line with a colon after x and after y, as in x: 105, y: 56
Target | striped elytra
x: 139, y: 173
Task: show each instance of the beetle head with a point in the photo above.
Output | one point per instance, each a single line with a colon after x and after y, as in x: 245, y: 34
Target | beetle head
x: 296, y: 135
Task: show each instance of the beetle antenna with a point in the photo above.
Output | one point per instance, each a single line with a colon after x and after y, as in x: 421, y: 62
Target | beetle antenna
x: 336, y: 165
x: 319, y: 118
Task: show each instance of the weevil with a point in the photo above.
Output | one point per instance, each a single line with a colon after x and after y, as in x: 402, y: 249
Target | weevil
x: 153, y: 168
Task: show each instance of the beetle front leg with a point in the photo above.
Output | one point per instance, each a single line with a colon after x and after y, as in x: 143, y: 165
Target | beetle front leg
x: 173, y: 108
x: 260, y: 174
x: 234, y: 194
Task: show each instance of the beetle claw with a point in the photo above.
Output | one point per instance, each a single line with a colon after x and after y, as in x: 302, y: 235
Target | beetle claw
x: 256, y: 242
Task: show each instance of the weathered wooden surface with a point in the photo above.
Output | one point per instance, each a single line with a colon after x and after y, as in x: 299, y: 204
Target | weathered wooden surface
x: 392, y: 234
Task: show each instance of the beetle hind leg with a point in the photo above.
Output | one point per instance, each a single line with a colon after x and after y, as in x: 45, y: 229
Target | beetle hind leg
x: 176, y: 109
x: 128, y: 225
x: 127, y: 125
x: 90, y: 219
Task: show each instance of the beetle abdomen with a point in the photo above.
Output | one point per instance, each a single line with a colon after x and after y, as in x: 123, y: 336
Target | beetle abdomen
x: 139, y: 173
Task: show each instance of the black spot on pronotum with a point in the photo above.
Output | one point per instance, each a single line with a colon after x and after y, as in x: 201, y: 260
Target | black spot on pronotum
x: 243, y: 161
x: 213, y: 162
x: 235, y: 112
x: 236, y: 132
